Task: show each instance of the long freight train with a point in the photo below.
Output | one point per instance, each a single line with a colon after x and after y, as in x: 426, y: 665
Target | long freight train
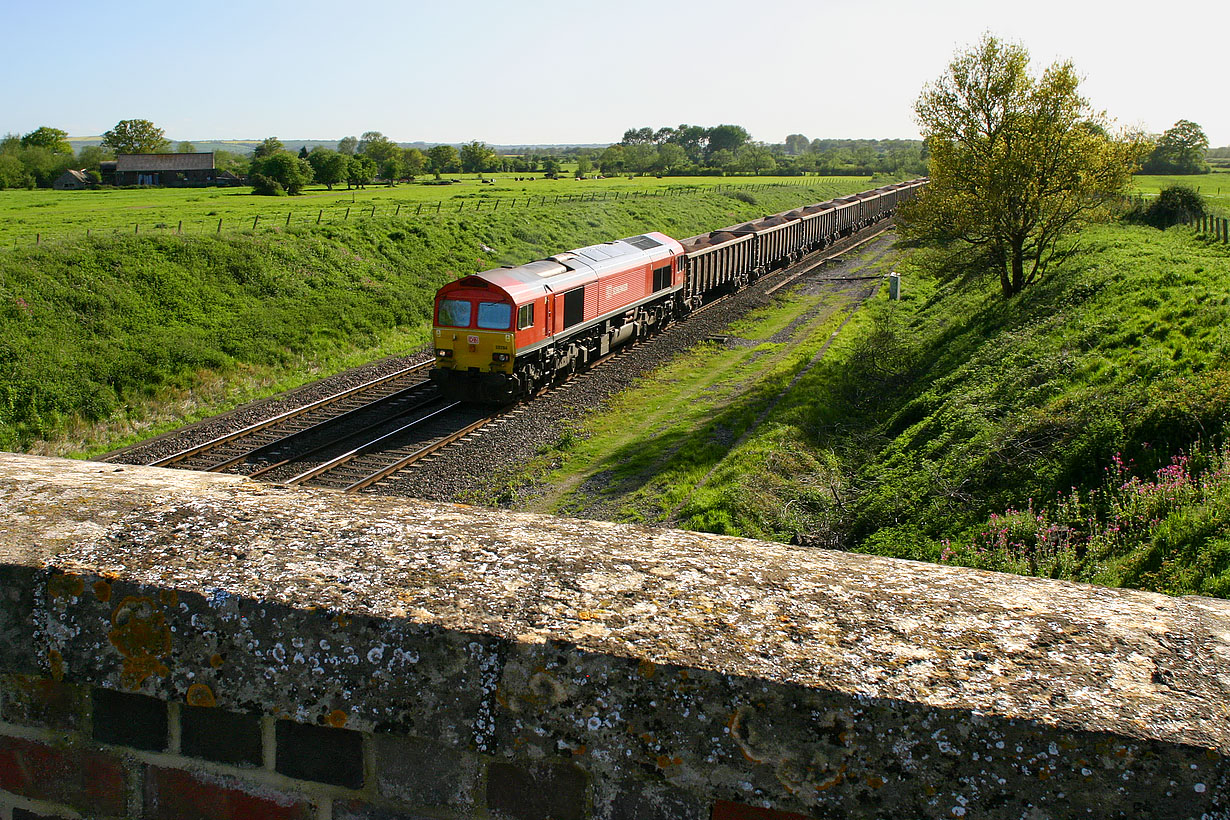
x: 505, y: 333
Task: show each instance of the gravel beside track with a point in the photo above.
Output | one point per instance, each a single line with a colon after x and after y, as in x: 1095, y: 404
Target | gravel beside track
x: 205, y: 430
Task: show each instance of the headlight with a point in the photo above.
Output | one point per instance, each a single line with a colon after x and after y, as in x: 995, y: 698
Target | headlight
x: 500, y: 357
x: 443, y: 354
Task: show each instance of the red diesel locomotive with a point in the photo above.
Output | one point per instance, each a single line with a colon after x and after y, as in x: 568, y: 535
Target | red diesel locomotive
x: 504, y: 333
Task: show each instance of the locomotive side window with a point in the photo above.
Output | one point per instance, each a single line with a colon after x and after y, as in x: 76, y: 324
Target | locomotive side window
x: 661, y: 278
x: 525, y: 316
x: 454, y: 313
x: 494, y: 315
x: 574, y: 307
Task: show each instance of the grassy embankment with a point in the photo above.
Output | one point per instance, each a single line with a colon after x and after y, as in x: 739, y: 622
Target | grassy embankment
x: 53, y: 216
x: 108, y: 340
x: 1076, y: 431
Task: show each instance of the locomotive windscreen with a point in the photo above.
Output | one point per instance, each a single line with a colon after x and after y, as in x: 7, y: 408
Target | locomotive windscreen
x: 454, y: 313
x: 494, y: 315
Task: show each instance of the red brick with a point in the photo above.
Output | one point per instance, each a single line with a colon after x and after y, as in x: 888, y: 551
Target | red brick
x: 91, y: 782
x: 725, y: 810
x: 173, y: 794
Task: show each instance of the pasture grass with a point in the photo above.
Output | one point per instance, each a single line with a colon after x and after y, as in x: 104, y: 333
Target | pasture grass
x: 1214, y: 187
x: 49, y: 216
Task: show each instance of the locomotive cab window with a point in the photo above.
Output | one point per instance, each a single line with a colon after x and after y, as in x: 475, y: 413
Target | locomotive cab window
x: 494, y: 315
x: 661, y: 278
x: 454, y: 313
x: 525, y: 317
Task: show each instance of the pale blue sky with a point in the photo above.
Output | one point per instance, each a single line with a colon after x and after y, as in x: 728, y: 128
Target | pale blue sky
x: 549, y: 71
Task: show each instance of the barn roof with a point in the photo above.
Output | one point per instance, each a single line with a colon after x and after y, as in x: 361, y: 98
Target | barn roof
x: 164, y: 162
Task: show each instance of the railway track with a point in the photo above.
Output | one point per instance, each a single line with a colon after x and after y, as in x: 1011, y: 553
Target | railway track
x: 391, y: 395
x: 359, y: 460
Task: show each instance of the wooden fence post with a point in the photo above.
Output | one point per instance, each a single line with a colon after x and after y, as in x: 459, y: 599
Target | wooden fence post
x: 255, y: 219
x: 320, y: 216
x: 136, y: 228
x: 288, y: 219
x: 419, y: 209
x: 398, y: 211
x: 38, y: 239
x: 219, y: 225
x: 347, y: 216
x: 373, y: 212
x: 180, y: 229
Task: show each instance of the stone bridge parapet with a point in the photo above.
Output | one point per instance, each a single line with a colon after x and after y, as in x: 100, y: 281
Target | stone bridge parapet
x: 178, y: 644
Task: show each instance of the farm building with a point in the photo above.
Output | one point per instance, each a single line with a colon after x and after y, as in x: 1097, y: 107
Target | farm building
x: 72, y: 180
x: 169, y: 170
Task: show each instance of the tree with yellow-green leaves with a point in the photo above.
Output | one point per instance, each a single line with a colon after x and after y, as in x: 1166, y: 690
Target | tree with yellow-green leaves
x: 1017, y: 161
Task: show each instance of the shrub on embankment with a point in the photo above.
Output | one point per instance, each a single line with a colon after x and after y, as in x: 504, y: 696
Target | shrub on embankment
x: 96, y: 333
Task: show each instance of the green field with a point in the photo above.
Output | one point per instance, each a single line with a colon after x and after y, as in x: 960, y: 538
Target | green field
x: 1214, y: 187
x: 44, y: 216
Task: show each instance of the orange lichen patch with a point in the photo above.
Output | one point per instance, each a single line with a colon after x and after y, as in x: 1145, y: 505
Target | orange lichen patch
x: 875, y: 782
x: 832, y: 781
x: 585, y: 615
x: 201, y: 695
x: 337, y: 718
x: 169, y: 597
x: 56, y: 663
x: 580, y: 750
x: 141, y: 635
x: 69, y: 586
x: 215, y: 660
x: 102, y: 591
x: 646, y: 669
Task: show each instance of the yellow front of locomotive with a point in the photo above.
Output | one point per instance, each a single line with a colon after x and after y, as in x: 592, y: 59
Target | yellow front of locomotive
x: 475, y: 345
x: 474, y: 351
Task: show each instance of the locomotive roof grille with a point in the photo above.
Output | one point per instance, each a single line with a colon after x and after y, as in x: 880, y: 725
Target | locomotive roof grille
x: 645, y: 243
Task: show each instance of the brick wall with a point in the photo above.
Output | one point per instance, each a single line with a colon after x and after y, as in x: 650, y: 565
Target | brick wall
x: 74, y: 751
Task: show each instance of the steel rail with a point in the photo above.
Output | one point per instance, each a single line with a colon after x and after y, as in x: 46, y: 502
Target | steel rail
x: 320, y: 469
x: 355, y: 434
x: 281, y: 417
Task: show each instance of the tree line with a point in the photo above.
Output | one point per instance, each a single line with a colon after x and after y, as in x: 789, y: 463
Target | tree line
x: 688, y: 150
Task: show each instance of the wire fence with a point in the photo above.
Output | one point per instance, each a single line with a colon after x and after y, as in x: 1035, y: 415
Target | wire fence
x: 343, y: 213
